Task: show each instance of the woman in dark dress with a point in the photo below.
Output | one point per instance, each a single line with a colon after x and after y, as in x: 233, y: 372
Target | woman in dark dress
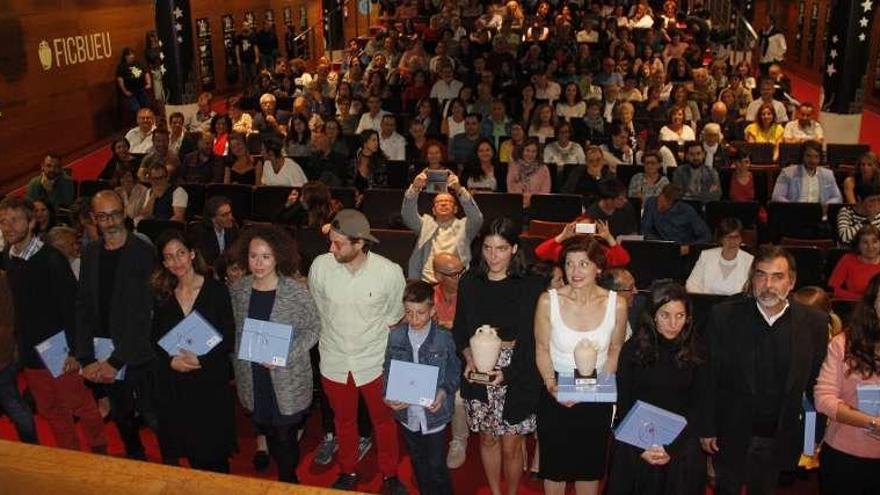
x: 240, y: 167
x: 119, y: 159
x: 278, y: 397
x: 369, y: 163
x: 196, y: 408
x: 498, y: 291
x: 660, y: 366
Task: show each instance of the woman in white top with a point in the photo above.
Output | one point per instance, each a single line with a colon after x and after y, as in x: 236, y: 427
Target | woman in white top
x: 676, y: 130
x: 572, y: 105
x: 564, y: 150
x: 723, y: 270
x: 580, y: 310
x: 132, y: 192
x: 279, y: 170
x: 453, y: 124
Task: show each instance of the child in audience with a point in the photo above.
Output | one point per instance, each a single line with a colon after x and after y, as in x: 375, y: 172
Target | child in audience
x: 421, y: 340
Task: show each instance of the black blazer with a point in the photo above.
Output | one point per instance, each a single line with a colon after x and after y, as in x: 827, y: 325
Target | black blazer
x: 727, y: 387
x: 206, y: 241
x: 131, y: 304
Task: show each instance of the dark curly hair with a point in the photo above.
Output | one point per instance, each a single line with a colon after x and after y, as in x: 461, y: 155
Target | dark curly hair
x: 689, y: 348
x: 283, y: 247
x: 581, y: 244
x: 863, y: 334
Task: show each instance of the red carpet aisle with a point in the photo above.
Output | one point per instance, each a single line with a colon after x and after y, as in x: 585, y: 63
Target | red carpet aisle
x: 468, y: 480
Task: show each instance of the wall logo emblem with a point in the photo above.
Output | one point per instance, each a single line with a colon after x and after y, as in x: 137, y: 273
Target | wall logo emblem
x: 72, y: 50
x: 45, y: 55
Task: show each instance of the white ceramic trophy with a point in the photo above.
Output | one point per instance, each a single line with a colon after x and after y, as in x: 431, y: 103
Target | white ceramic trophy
x: 585, y: 355
x: 485, y: 349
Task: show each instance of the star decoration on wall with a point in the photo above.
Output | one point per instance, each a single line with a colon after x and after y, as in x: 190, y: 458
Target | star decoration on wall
x: 177, y: 13
x: 833, y: 53
x: 862, y: 37
x: 831, y: 70
x: 863, y: 22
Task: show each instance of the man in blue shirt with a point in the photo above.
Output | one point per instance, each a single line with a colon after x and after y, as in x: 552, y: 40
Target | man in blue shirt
x: 666, y: 218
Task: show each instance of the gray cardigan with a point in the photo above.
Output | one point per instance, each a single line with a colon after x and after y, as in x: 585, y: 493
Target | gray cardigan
x: 425, y: 226
x: 293, y: 306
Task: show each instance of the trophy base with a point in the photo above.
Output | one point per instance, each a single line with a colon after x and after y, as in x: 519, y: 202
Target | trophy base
x: 580, y: 379
x: 481, y: 377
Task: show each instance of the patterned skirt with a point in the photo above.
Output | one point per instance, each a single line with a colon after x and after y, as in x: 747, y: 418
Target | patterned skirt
x: 486, y: 416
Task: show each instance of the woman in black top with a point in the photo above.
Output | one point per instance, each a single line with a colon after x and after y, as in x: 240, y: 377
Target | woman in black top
x: 310, y: 207
x: 119, y: 159
x: 660, y: 366
x: 369, y: 163
x: 133, y: 81
x: 499, y: 291
x: 196, y: 409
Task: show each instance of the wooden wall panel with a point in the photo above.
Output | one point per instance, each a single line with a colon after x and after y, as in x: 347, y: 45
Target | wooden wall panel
x: 68, y: 106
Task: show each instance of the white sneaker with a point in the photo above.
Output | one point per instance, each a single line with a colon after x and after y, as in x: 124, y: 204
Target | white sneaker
x: 457, y: 454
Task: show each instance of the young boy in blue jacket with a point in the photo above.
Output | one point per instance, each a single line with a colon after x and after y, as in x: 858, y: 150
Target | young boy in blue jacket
x: 420, y: 339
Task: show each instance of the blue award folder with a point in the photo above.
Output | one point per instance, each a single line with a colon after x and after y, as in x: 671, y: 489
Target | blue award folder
x: 809, y: 427
x: 103, y: 350
x: 193, y: 334
x: 869, y: 398
x: 412, y: 383
x: 604, y: 390
x: 265, y: 342
x: 646, y: 425
x: 53, y: 351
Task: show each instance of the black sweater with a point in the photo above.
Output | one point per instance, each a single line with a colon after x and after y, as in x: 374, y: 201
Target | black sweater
x: 130, y: 309
x: 509, y: 305
x: 44, y: 295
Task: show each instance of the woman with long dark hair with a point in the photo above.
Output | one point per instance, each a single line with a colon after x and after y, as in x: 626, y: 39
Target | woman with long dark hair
x: 369, y: 163
x: 311, y: 207
x: 660, y: 366
x: 278, y: 397
x: 120, y: 158
x: 499, y: 291
x: 196, y: 409
x: 482, y: 173
x: 850, y: 455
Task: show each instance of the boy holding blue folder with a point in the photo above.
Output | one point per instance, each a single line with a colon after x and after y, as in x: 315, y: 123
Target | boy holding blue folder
x: 421, y: 340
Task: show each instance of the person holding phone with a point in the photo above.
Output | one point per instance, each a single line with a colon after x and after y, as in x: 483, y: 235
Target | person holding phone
x: 441, y: 231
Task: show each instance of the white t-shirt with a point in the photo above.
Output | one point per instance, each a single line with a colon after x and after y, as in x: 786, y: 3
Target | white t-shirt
x: 138, y: 143
x: 291, y: 174
x: 394, y: 146
x: 576, y: 111
x: 687, y: 134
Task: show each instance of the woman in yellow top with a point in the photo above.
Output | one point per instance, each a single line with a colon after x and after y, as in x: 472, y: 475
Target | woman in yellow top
x: 517, y: 139
x: 765, y: 129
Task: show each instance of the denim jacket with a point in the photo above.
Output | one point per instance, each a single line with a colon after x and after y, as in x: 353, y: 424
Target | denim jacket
x: 438, y: 350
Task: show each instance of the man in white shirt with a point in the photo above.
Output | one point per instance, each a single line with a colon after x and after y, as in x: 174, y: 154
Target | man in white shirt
x: 391, y: 143
x: 546, y: 88
x: 768, y: 88
x: 140, y: 138
x: 372, y: 118
x: 772, y: 46
x: 804, y: 128
x: 446, y: 88
x: 359, y: 295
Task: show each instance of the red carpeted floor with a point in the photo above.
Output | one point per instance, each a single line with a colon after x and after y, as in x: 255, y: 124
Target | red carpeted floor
x: 467, y: 480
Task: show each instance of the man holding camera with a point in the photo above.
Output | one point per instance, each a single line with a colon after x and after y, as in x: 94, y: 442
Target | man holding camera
x: 441, y: 231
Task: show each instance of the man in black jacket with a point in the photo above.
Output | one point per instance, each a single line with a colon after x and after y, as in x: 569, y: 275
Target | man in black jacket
x: 43, y: 293
x: 218, y: 231
x: 115, y: 301
x: 764, y: 355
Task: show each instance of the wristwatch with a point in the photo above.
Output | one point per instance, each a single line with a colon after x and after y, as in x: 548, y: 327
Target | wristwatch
x: 872, y: 425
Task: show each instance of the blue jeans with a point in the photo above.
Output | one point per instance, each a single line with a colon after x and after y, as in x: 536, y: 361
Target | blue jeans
x: 14, y: 406
x: 136, y: 101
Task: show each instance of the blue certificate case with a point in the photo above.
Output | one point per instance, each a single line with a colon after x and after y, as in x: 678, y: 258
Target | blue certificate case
x: 809, y: 427
x: 412, y: 383
x: 193, y: 333
x: 604, y: 390
x: 265, y: 342
x: 646, y: 425
x: 869, y: 398
x: 53, y: 351
x: 103, y: 350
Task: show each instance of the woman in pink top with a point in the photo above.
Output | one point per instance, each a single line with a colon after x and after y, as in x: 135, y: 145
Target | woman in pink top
x: 852, y: 273
x: 850, y: 458
x: 527, y: 174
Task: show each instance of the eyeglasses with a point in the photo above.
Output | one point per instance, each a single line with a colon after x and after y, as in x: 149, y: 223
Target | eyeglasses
x: 104, y: 217
x: 451, y: 274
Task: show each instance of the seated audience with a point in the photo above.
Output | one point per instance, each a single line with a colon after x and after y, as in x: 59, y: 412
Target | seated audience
x: 615, y: 254
x: 52, y: 184
x: 667, y: 218
x: 483, y: 172
x: 698, y: 181
x: 120, y: 158
x: 854, y: 270
x: 463, y: 145
x: 807, y: 182
x: 160, y: 154
x: 649, y: 183
x: 240, y: 167
x: 527, y: 174
x: 201, y: 120
x: 309, y: 208
x: 280, y: 170
x: 217, y: 231
x: 850, y: 219
x: 864, y: 180
x: 140, y: 138
x: 742, y: 181
x: 585, y: 180
x: 369, y: 163
x: 132, y: 192
x: 164, y: 200
x: 612, y: 207
x: 805, y: 127
x: 201, y: 165
x: 723, y: 270
x: 270, y: 120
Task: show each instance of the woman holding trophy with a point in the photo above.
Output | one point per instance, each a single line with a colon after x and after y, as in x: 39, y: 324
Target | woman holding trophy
x: 579, y: 330
x: 500, y: 389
